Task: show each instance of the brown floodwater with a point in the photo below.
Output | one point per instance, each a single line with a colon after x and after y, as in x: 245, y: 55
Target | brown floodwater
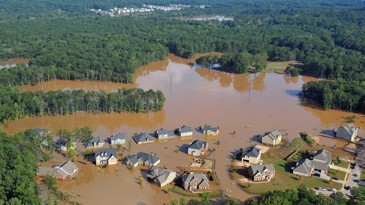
x: 247, y: 104
x: 15, y: 61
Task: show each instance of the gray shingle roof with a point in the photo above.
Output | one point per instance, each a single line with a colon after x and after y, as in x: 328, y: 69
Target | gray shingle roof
x: 169, y: 133
x: 118, y: 136
x: 254, y: 169
x: 273, y: 134
x: 305, y: 166
x: 159, y: 175
x: 67, y: 168
x: 39, y: 131
x: 94, y: 142
x: 107, y: 152
x: 209, y: 127
x: 198, y: 144
x: 143, y: 137
x: 190, y: 177
x: 142, y: 156
x: 251, y: 152
x: 322, y: 155
x: 185, y: 129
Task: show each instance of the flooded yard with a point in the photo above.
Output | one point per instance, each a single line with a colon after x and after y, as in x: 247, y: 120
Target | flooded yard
x: 241, y: 105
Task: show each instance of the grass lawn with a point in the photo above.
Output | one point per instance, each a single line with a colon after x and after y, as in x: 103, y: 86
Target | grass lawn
x: 343, y: 164
x: 279, y: 66
x: 362, y: 176
x: 336, y: 173
x: 181, y: 191
x: 284, y: 179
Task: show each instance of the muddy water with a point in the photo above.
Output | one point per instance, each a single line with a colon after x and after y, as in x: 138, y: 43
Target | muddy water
x: 245, y: 104
x: 13, y: 62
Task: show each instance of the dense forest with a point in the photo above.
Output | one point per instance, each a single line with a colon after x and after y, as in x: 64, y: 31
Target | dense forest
x: 64, y: 40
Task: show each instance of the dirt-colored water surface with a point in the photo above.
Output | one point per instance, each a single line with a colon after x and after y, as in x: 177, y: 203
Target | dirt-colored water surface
x: 15, y: 61
x: 246, y: 105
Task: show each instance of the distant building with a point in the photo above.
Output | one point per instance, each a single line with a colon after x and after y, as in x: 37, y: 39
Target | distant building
x: 262, y: 172
x: 66, y: 170
x: 271, y: 138
x: 61, y: 145
x: 160, y: 176
x: 106, y: 157
x: 164, y: 134
x: 117, y: 139
x: 347, y: 132
x: 251, y: 155
x: 94, y: 143
x: 195, y: 182
x: 143, y: 159
x: 143, y: 138
x: 41, y: 132
x: 198, y: 148
x: 209, y: 130
x: 185, y: 131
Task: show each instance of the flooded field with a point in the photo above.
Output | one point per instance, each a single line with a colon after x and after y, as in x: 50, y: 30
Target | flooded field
x: 245, y: 105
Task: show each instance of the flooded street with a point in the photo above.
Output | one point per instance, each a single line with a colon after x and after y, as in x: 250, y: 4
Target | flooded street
x: 247, y: 104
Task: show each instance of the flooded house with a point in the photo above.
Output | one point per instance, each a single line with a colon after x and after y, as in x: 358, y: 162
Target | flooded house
x: 347, y: 132
x: 143, y: 159
x: 160, y: 176
x: 94, y: 143
x: 251, y: 155
x: 41, y: 132
x: 62, y: 171
x: 61, y: 145
x: 117, y: 139
x: 164, y: 134
x: 271, y: 138
x: 105, y: 157
x: 209, y: 130
x: 143, y: 138
x: 261, y: 172
x: 185, y: 131
x: 195, y: 182
x: 198, y: 148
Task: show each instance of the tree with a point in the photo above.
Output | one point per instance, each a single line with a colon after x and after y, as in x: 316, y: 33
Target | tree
x: 357, y: 196
x: 205, y: 197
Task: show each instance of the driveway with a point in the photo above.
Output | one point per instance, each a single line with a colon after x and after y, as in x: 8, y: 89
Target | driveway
x: 350, y: 179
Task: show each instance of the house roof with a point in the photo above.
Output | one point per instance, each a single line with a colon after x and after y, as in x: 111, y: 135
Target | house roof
x: 322, y: 155
x: 190, y: 177
x: 349, y: 128
x: 107, y: 152
x: 273, y: 135
x: 165, y: 132
x: 255, y: 169
x: 39, y: 131
x: 251, y: 152
x: 305, y: 166
x: 143, y: 137
x: 185, y: 129
x: 159, y: 175
x: 320, y: 165
x: 118, y: 136
x: 209, y: 127
x: 142, y: 156
x: 198, y: 144
x: 66, y: 168
x: 95, y: 140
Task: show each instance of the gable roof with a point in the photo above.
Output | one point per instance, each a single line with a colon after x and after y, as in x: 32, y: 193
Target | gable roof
x: 118, y: 136
x: 322, y: 155
x: 39, y: 131
x: 66, y: 168
x: 107, y: 152
x: 305, y: 166
x: 349, y: 128
x: 143, y: 137
x: 209, y: 127
x: 187, y: 178
x: 161, y: 131
x: 96, y: 141
x: 185, y: 129
x: 273, y: 135
x: 142, y: 156
x: 198, y: 144
x: 256, y: 169
x: 159, y: 175
x: 251, y: 152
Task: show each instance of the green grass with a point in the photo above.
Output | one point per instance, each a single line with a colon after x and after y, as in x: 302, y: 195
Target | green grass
x: 336, y: 173
x: 362, y: 176
x: 284, y: 179
x: 343, y: 164
x: 181, y: 191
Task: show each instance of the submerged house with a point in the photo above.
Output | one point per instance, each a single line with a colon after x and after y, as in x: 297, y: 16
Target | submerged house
x: 164, y: 134
x: 41, y: 132
x: 105, y: 157
x: 62, y: 171
x: 198, y: 148
x: 143, y: 138
x: 251, y: 155
x: 209, y: 130
x: 347, y: 132
x: 117, y: 139
x: 95, y: 142
x: 271, y: 138
x: 195, y: 182
x: 262, y: 172
x: 160, y: 176
x: 185, y: 131
x: 143, y: 159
